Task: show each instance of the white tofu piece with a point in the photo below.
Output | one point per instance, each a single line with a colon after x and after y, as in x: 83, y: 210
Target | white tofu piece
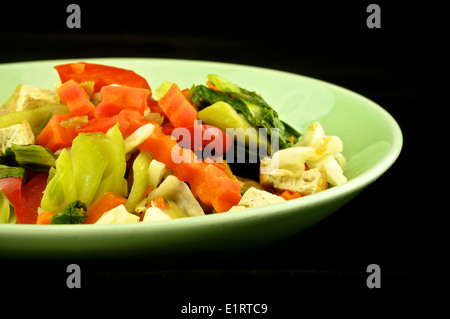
x: 20, y: 134
x: 31, y: 97
x: 310, y: 182
x: 254, y: 197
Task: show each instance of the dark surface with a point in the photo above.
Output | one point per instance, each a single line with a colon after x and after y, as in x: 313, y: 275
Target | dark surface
x: 395, y: 223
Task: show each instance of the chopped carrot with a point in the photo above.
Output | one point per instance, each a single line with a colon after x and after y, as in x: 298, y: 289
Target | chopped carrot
x: 160, y: 203
x: 104, y: 123
x: 54, y: 136
x: 219, y: 190
x: 45, y: 218
x: 192, y: 173
x: 136, y: 119
x: 103, y: 204
x: 76, y: 98
x: 147, y: 191
x: 185, y: 93
x: 129, y: 121
x: 177, y: 108
x: 118, y: 98
x: 212, y: 86
x: 160, y: 146
x: 288, y: 195
x: 154, y: 106
x: 207, y: 181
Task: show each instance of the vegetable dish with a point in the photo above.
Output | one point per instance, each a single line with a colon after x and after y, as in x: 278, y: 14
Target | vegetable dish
x: 102, y: 147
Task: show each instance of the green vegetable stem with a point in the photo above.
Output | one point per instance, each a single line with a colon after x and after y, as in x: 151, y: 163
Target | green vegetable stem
x: 250, y: 105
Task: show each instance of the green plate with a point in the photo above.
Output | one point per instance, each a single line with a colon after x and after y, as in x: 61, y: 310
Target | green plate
x: 372, y: 142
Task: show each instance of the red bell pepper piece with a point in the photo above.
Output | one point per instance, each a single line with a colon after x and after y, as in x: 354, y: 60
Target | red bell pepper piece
x: 12, y: 189
x: 102, y: 75
x: 32, y: 193
x: 54, y: 136
x: 75, y: 97
x: 177, y: 108
x: 118, y: 98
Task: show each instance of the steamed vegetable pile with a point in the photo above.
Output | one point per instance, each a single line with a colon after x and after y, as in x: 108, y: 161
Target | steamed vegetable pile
x: 102, y: 148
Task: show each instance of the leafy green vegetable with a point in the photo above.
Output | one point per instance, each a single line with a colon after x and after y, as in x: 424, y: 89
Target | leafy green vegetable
x: 96, y: 165
x: 162, y: 89
x: 35, y: 116
x: 34, y: 157
x: 224, y: 116
x: 60, y: 190
x: 89, y: 163
x: 8, y: 171
x: 113, y: 178
x: 250, y: 104
x: 140, y: 180
x: 74, y: 213
x: 7, y: 214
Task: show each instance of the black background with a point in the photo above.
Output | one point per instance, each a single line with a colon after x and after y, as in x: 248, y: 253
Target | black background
x: 395, y: 223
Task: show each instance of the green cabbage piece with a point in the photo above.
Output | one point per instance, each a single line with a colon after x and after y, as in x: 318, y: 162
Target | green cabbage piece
x: 179, y: 197
x: 247, y: 103
x: 36, y: 117
x: 7, y: 214
x: 60, y: 190
x: 113, y: 179
x: 33, y: 157
x: 162, y: 89
x: 89, y: 163
x: 140, y: 181
x: 96, y: 165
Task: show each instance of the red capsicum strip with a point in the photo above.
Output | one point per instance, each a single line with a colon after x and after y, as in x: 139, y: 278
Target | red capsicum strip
x: 102, y: 75
x: 32, y: 193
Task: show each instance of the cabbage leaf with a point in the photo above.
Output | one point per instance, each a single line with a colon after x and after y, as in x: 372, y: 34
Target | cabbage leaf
x: 96, y: 164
